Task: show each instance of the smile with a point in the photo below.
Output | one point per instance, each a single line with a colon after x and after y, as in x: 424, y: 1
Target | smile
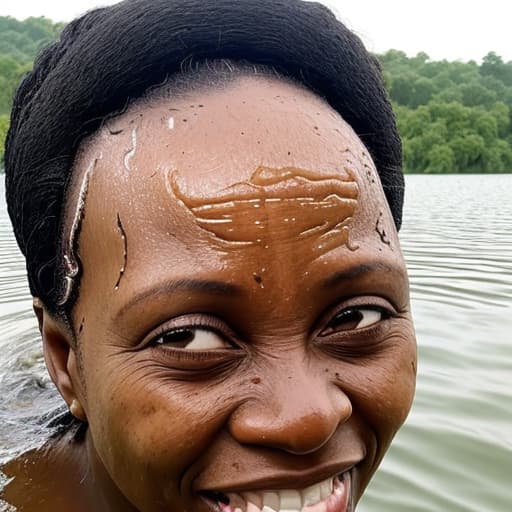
x: 330, y: 495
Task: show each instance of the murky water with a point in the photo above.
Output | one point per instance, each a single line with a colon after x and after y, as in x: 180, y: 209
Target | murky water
x: 455, y: 452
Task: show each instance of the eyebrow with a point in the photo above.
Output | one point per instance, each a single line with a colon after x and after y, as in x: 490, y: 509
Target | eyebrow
x: 182, y: 285
x: 358, y: 270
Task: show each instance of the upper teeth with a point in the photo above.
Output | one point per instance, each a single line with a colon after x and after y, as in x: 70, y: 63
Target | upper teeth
x: 285, y: 500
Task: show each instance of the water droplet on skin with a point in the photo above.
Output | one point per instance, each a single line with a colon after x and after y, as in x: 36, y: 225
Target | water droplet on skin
x: 131, y: 152
x: 122, y: 233
x: 170, y: 123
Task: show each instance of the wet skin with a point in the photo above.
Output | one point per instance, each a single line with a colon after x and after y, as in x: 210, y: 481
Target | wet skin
x: 209, y: 359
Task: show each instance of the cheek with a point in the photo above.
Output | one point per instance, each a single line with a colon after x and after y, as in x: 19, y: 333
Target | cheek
x: 382, y: 389
x: 146, y: 425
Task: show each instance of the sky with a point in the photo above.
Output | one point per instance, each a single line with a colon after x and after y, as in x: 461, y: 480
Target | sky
x: 444, y: 29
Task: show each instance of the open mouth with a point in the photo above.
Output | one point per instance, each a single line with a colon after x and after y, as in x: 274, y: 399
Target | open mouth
x: 330, y: 495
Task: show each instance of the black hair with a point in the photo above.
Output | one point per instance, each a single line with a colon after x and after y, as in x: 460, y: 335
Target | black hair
x: 113, y: 55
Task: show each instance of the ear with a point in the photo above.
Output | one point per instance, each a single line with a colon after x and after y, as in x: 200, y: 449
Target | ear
x: 61, y: 359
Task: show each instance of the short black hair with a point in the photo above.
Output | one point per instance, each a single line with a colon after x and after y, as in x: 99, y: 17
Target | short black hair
x: 113, y: 55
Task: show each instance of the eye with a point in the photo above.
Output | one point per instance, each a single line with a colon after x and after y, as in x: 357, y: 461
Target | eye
x: 192, y: 338
x: 356, y: 317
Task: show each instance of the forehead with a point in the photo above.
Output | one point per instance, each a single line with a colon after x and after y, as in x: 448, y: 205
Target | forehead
x: 217, y: 136
x: 150, y: 166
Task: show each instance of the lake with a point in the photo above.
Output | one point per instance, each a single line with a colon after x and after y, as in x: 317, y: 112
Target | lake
x: 455, y: 452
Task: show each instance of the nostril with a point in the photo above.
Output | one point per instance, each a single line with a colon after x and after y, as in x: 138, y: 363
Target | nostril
x: 309, y: 433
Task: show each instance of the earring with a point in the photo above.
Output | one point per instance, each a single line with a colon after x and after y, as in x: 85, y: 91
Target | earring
x: 76, y: 409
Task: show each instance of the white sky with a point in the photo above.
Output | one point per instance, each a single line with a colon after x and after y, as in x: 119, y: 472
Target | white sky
x: 451, y: 29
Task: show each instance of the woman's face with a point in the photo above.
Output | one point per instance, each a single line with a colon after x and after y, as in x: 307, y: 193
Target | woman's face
x: 243, y: 320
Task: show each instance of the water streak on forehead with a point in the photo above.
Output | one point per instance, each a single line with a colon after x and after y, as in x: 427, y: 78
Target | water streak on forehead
x: 301, y: 204
x: 75, y: 211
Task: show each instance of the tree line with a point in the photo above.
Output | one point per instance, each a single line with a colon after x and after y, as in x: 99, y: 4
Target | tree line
x: 20, y: 41
x: 452, y: 116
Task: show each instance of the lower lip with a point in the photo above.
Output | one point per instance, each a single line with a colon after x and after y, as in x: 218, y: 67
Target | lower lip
x: 338, y: 501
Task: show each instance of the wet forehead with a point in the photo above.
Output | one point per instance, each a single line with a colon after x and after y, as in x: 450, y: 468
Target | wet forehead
x: 154, y: 171
x: 215, y: 138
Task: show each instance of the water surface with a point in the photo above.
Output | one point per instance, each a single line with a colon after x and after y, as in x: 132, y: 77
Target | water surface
x: 455, y: 452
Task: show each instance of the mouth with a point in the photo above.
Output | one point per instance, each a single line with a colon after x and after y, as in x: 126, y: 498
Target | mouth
x: 330, y: 495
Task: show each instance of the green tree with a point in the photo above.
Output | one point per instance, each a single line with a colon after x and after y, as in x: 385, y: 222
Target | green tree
x: 452, y: 113
x: 493, y: 65
x: 475, y: 94
x: 441, y: 159
x: 424, y: 89
x: 4, y: 126
x: 20, y: 41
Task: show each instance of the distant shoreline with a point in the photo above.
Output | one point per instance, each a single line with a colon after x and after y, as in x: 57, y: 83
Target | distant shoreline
x: 453, y: 117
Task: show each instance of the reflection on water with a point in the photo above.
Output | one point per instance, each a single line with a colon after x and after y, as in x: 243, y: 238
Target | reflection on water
x: 455, y: 452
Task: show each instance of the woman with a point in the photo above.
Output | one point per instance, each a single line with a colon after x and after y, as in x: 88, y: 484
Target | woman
x: 208, y: 194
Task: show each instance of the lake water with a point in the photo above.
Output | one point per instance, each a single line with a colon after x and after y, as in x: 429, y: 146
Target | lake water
x: 455, y: 452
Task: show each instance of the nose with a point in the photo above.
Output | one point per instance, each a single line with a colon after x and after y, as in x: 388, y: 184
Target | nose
x: 298, y: 415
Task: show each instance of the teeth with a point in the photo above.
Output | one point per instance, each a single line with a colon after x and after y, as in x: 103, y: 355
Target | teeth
x: 326, y: 488
x: 290, y: 500
x: 271, y: 501
x: 253, y: 498
x: 285, y: 500
x: 311, y: 495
